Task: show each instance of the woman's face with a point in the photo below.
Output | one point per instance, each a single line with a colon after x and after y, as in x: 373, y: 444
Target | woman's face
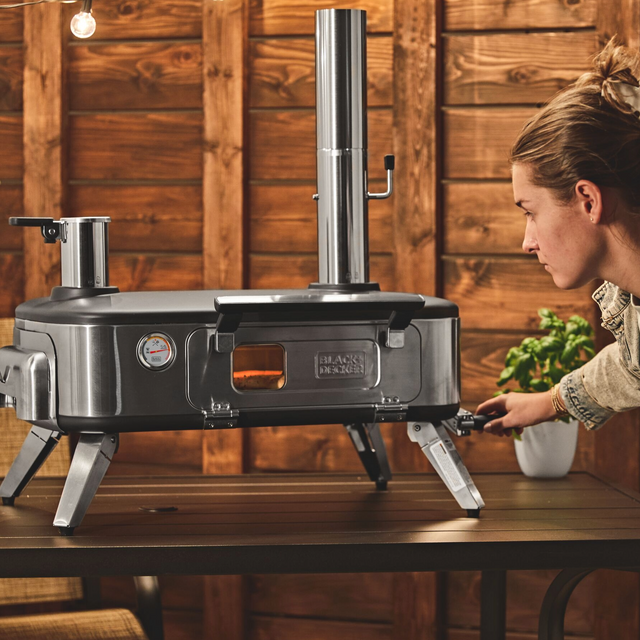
x: 563, y: 237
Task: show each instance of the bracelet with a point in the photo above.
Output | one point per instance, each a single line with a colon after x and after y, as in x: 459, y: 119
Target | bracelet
x: 556, y: 401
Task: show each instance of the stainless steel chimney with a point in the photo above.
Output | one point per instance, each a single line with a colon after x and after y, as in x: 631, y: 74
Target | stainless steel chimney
x: 341, y: 133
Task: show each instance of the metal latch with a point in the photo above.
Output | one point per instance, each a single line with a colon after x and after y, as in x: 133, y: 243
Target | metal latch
x: 221, y: 416
x: 391, y: 410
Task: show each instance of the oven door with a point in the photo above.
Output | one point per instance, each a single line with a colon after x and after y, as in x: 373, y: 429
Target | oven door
x: 286, y: 372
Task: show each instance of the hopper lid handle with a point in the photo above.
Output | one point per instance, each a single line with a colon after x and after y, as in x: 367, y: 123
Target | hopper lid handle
x: 51, y: 229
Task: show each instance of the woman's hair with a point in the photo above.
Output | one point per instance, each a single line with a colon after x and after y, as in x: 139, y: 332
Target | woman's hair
x: 587, y: 132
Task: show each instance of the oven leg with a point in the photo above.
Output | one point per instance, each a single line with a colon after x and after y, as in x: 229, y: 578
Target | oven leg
x: 35, y: 450
x: 369, y: 444
x: 90, y: 462
x: 436, y: 444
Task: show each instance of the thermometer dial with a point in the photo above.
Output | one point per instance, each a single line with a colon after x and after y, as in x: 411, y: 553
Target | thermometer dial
x: 156, y: 351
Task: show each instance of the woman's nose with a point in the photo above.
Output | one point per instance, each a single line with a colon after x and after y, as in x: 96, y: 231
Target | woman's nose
x: 529, y: 244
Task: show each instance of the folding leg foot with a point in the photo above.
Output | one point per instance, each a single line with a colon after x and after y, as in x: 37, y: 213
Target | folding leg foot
x: 66, y: 531
x: 8, y: 502
x: 90, y: 462
x: 36, y: 448
x: 473, y: 513
x: 442, y: 454
x: 369, y: 444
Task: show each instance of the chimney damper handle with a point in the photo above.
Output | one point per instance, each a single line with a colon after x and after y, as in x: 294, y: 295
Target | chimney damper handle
x: 389, y: 165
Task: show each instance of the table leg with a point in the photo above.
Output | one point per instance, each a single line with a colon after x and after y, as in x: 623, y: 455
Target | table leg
x: 493, y: 605
x: 554, y: 605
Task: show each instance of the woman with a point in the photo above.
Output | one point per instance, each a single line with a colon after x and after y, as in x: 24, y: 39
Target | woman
x: 576, y: 175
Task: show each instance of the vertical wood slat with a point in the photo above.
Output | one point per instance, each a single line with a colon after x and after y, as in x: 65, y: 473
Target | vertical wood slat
x: 617, y: 602
x: 415, y: 118
x: 224, y: 45
x: 417, y: 55
x: 44, y: 135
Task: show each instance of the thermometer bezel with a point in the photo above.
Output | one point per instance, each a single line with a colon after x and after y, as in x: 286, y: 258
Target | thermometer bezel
x: 155, y: 367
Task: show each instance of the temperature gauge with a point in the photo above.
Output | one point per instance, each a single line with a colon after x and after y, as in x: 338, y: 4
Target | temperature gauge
x: 156, y: 351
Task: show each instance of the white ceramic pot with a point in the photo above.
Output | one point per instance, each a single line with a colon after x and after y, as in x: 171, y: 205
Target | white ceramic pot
x: 547, y: 449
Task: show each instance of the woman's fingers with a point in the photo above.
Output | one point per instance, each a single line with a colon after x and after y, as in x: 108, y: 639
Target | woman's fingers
x: 493, y: 405
x: 495, y: 426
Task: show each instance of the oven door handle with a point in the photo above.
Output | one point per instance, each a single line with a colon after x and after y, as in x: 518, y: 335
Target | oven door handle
x: 400, y: 307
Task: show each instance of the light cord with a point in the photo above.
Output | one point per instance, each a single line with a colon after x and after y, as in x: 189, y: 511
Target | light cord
x: 27, y: 4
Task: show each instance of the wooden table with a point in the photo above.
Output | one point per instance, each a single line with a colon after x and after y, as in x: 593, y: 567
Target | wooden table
x: 332, y: 523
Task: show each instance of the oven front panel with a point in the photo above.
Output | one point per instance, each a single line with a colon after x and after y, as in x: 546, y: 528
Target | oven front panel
x: 325, y: 365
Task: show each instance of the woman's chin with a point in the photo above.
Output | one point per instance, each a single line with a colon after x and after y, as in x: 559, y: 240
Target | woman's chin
x: 564, y: 282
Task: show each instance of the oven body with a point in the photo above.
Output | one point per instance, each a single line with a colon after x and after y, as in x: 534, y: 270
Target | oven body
x: 335, y: 370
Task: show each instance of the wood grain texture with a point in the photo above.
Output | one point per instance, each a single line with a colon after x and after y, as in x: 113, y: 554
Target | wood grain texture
x: 416, y: 137
x: 224, y: 48
x: 267, y: 628
x: 148, y: 19
x: 502, y: 293
x: 282, y: 72
x: 269, y: 271
x: 481, y: 217
x: 417, y: 606
x: 283, y: 144
x: 11, y: 26
x: 304, y: 448
x: 474, y: 634
x: 525, y: 592
x: 471, y: 15
x: 477, y: 141
x: 147, y: 75
x: 45, y: 138
x: 224, y: 615
x: 10, y: 205
x: 513, y: 68
x: 621, y: 18
x: 155, y: 272
x: 157, y: 217
x: 151, y: 146
x: 11, y: 283
x: 283, y: 219
x: 337, y: 596
x: 225, y: 40
x: 482, y: 359
x: 10, y: 78
x: 296, y: 17
x: 165, y: 449
x: 11, y: 158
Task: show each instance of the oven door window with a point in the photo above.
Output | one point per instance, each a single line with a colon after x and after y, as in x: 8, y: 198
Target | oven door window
x: 259, y: 367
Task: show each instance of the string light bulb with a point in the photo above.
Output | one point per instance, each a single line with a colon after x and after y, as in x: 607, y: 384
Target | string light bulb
x: 83, y: 24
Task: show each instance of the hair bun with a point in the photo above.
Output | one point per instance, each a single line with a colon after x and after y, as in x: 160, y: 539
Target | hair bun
x: 614, y: 65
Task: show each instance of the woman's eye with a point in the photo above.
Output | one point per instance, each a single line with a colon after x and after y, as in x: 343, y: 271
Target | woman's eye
x: 528, y: 214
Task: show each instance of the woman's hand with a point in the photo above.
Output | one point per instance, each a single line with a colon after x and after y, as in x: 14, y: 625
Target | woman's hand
x: 521, y: 409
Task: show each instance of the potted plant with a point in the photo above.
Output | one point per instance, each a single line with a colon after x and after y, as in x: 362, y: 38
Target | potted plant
x: 547, y: 450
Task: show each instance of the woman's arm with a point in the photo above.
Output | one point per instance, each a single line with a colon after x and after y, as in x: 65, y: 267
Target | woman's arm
x: 600, y: 388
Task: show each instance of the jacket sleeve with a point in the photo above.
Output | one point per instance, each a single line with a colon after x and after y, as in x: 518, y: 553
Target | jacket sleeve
x: 600, y: 388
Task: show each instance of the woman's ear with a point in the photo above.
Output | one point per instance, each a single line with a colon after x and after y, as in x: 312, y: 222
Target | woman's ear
x: 589, y: 199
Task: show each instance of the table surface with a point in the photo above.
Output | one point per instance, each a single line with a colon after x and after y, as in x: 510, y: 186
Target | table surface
x: 315, y: 523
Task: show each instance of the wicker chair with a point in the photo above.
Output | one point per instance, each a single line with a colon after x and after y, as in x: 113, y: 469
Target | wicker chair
x: 113, y: 624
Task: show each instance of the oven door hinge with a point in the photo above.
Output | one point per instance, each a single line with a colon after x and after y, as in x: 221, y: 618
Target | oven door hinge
x: 391, y: 410
x: 221, y: 416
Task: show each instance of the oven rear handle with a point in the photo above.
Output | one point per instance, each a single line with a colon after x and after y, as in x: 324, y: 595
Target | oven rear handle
x: 400, y: 307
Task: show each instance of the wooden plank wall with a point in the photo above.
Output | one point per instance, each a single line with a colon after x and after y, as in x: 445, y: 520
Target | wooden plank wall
x: 500, y: 61
x: 136, y: 135
x: 11, y: 161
